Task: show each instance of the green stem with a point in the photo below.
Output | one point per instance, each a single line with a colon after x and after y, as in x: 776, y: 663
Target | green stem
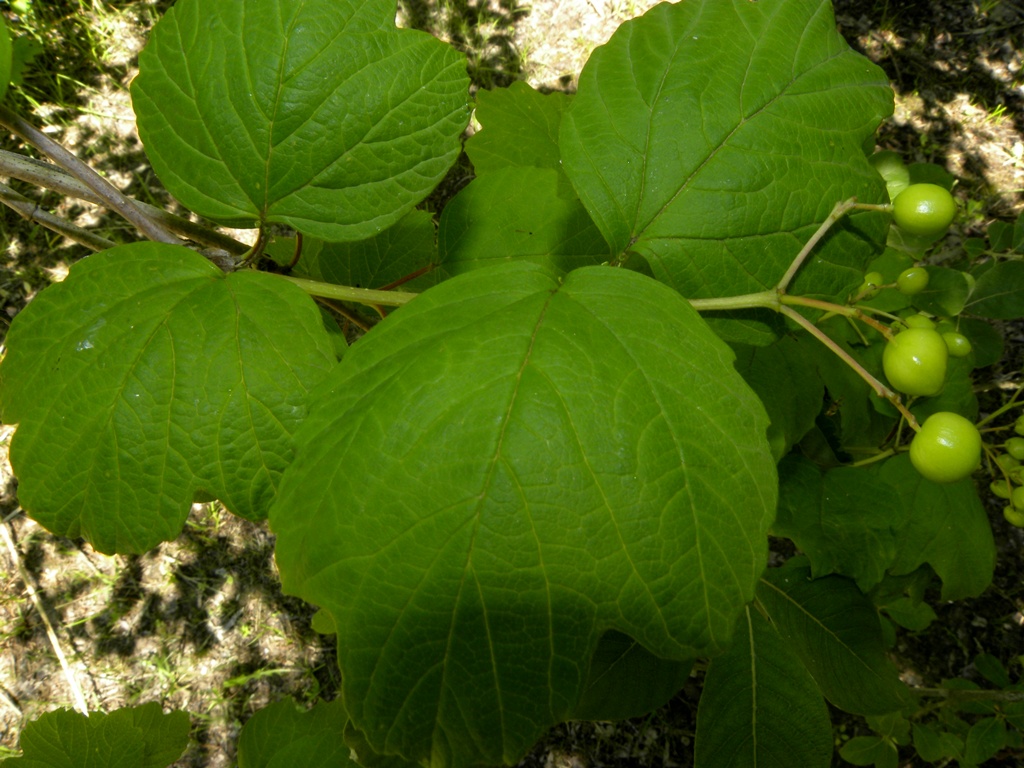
x: 957, y: 695
x: 346, y: 293
x: 766, y: 299
x: 880, y: 389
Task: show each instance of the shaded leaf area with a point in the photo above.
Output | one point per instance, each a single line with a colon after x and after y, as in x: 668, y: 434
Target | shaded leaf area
x: 533, y: 214
x: 341, y: 124
x: 760, y: 705
x: 712, y: 138
x: 130, y: 737
x: 519, y: 129
x: 282, y: 735
x: 866, y: 522
x: 407, y: 248
x: 504, y: 470
x: 834, y: 630
x: 149, y: 377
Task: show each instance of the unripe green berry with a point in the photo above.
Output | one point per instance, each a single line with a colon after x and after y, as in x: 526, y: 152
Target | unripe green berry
x: 1001, y: 489
x: 1015, y: 447
x: 1006, y: 462
x: 915, y: 361
x: 912, y: 281
x: 1017, y: 497
x: 1013, y: 516
x: 924, y: 209
x: 957, y: 344
x: 947, y: 448
x: 918, y: 321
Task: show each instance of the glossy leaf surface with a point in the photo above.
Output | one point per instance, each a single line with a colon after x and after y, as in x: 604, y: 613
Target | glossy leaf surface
x: 759, y: 705
x: 321, y: 115
x: 713, y: 137
x: 504, y: 470
x: 147, y: 376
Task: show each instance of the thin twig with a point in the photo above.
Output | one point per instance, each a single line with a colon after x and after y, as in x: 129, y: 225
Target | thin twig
x: 30, y: 211
x: 76, y: 689
x: 111, y: 196
x: 346, y: 293
x: 50, y: 176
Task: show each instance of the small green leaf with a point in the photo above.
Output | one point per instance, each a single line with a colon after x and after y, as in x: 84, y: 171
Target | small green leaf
x: 992, y: 669
x: 946, y: 293
x: 147, y: 377
x: 999, y: 292
x: 282, y: 736
x: 834, y: 629
x: 984, y: 740
x: 533, y: 215
x: 760, y: 706
x: 946, y: 527
x: 520, y: 129
x: 870, y: 750
x: 934, y: 743
x: 843, y: 519
x: 501, y: 472
x: 713, y: 137
x: 321, y: 115
x: 130, y: 737
x: 626, y: 680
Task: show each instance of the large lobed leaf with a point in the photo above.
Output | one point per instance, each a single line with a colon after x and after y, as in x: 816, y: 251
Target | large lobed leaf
x: 318, y: 114
x: 147, y: 377
x: 503, y: 471
x: 712, y: 138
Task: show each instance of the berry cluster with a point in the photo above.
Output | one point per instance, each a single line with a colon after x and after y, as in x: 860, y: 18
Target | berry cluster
x: 1011, y: 485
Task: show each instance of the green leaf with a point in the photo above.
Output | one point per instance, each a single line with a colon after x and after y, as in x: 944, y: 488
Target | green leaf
x: 5, y: 58
x: 713, y: 137
x: 784, y: 376
x: 625, y: 680
x: 992, y: 669
x: 934, y: 744
x: 999, y: 293
x: 147, y: 377
x: 282, y: 735
x: 760, y: 706
x: 397, y: 252
x: 533, y: 214
x: 946, y: 292
x: 520, y: 129
x: 870, y: 750
x: 843, y: 519
x: 321, y: 115
x: 986, y: 737
x: 946, y: 527
x: 834, y: 629
x: 501, y: 472
x: 986, y: 341
x: 130, y: 737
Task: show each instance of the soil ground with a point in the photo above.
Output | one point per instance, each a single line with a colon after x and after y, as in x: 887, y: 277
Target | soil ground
x: 200, y: 623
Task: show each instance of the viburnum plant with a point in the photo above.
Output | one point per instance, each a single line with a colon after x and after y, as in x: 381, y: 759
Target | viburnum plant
x: 673, y: 314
